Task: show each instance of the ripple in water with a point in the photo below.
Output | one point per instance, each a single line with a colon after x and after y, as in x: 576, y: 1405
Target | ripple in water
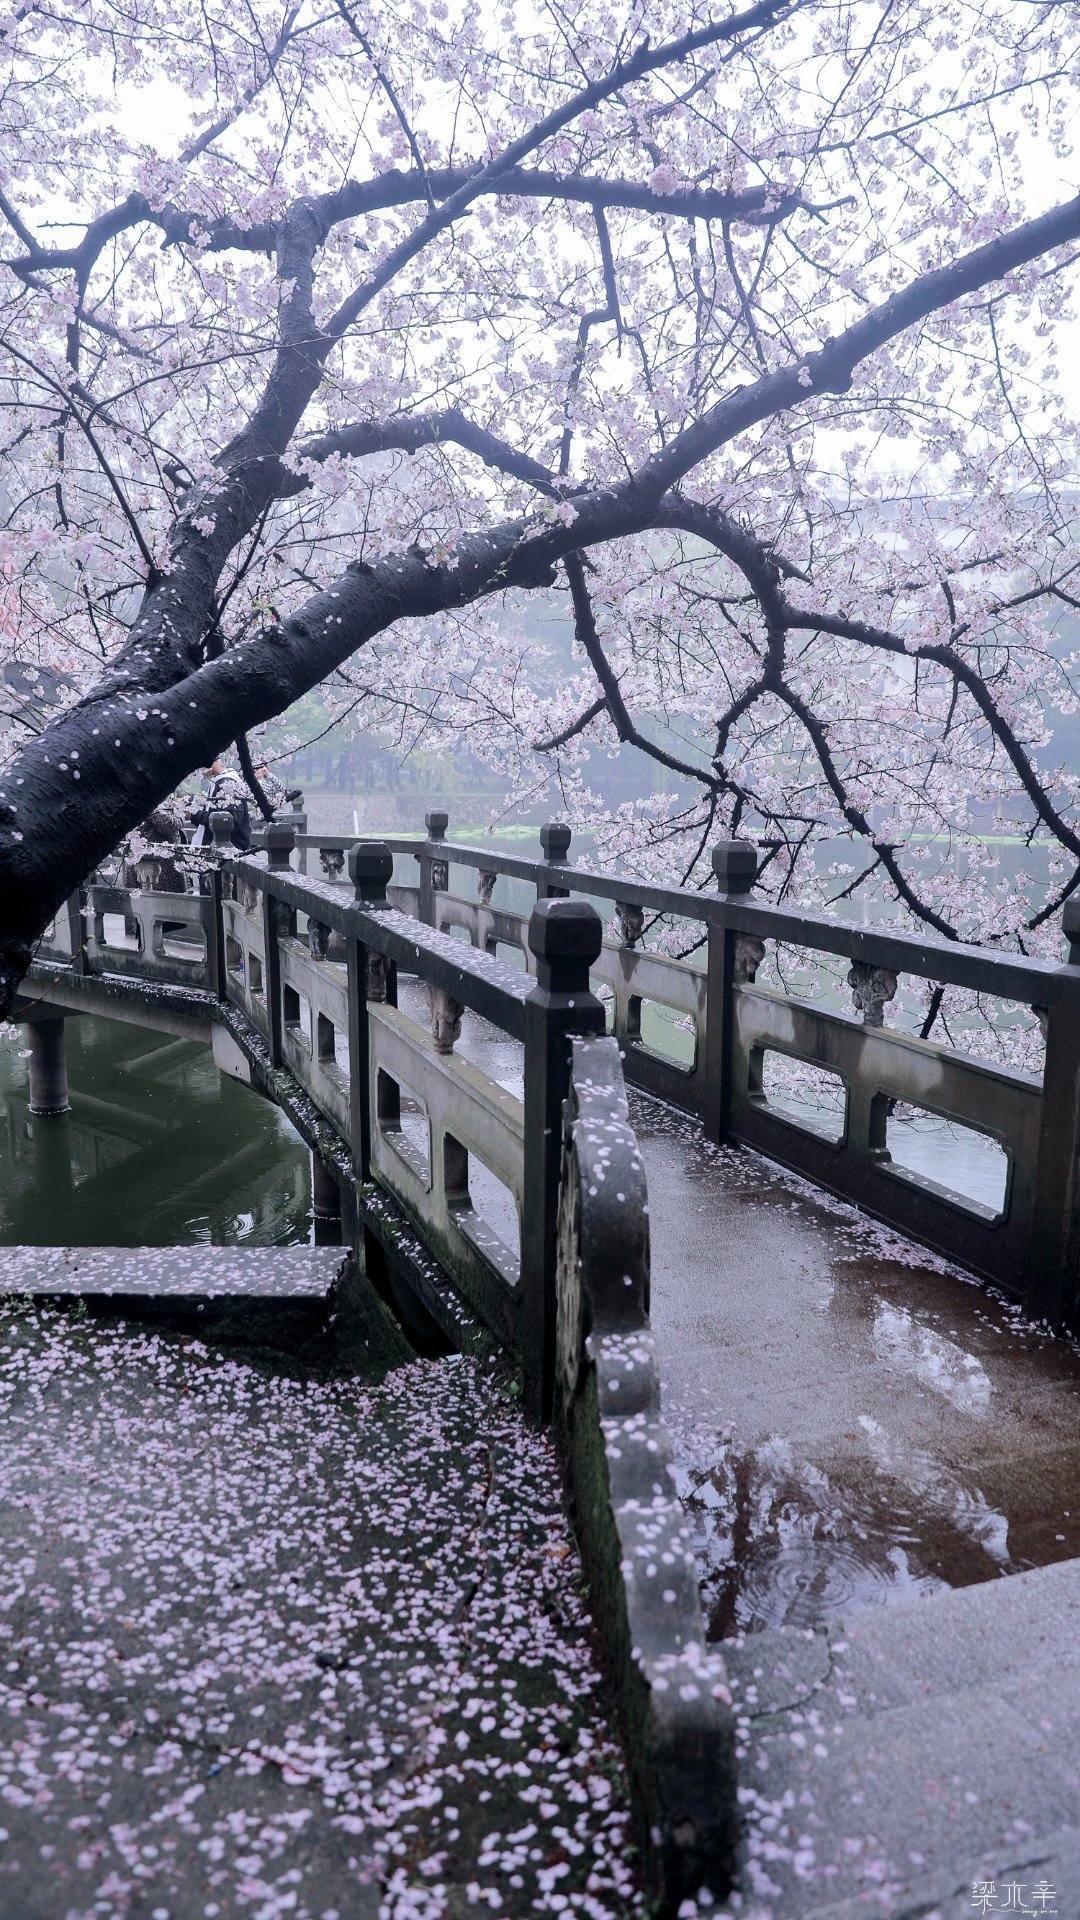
x: 807, y: 1580
x: 781, y: 1543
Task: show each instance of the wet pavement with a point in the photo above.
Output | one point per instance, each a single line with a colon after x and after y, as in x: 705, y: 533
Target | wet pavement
x: 856, y: 1423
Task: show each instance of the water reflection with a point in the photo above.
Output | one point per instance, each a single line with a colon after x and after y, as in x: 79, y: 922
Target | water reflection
x: 158, y: 1150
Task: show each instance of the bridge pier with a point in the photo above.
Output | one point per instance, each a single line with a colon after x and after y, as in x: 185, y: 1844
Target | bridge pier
x: 48, y: 1066
x: 325, y: 1204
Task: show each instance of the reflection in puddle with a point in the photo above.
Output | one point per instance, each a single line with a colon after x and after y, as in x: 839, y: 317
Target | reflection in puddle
x: 935, y: 1361
x: 784, y: 1542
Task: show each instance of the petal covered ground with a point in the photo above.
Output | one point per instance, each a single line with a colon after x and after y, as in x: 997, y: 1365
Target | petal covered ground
x: 275, y: 1644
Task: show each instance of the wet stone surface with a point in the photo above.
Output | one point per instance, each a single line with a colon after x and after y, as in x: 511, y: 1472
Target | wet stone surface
x: 167, y: 1273
x: 274, y: 1644
x: 857, y: 1425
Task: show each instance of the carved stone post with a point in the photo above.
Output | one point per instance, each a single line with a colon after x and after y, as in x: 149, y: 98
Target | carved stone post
x: 446, y: 1015
x: 48, y: 1067
x: 749, y: 954
x: 332, y: 862
x: 221, y: 833
x: 370, y: 978
x: 221, y: 839
x: 631, y: 922
x: 735, y: 864
x: 555, y: 845
x: 485, y: 884
x: 1052, y: 1267
x: 871, y: 989
x: 278, y: 842
x: 564, y: 938
x: 434, y: 872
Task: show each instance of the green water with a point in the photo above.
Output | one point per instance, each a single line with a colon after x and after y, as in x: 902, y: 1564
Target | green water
x: 158, y: 1150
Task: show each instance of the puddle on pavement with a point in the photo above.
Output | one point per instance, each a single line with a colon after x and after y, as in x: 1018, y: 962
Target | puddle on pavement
x: 854, y: 1425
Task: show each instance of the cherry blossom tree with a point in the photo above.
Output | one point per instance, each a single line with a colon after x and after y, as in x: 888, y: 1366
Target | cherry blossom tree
x: 334, y: 337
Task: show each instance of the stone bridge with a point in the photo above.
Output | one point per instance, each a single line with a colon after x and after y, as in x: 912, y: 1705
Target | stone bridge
x: 458, y: 1062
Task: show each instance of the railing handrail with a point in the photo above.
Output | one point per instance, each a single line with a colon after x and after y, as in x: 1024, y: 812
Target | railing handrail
x: 483, y: 984
x: 1024, y: 978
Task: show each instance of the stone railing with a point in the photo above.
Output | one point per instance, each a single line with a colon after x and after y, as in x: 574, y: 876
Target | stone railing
x: 303, y: 972
x: 1029, y: 1243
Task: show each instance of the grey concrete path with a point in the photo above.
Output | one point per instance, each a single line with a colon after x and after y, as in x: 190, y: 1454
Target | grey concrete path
x: 288, y: 1647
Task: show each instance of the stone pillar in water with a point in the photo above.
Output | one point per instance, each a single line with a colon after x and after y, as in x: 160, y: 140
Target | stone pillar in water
x: 325, y: 1204
x: 48, y: 1067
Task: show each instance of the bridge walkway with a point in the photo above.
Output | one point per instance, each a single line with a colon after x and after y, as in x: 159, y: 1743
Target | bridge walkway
x: 881, y: 1460
x: 866, y: 1443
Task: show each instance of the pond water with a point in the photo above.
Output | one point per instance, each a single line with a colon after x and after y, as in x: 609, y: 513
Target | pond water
x: 158, y: 1150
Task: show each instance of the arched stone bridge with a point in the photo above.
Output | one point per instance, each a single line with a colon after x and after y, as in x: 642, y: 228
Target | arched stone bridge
x: 492, y: 1189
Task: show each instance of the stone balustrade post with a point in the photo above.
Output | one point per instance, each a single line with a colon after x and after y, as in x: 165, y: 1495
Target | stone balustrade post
x: 731, y: 960
x: 214, y: 885
x: 446, y: 1015
x: 555, y: 847
x: 1052, y: 1268
x: 871, y: 989
x: 221, y: 833
x: 278, y: 842
x: 630, y: 920
x: 371, y: 978
x: 564, y: 939
x: 434, y: 871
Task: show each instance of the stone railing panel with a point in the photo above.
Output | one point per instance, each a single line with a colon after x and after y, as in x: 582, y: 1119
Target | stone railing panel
x: 878, y: 1067
x: 464, y: 1115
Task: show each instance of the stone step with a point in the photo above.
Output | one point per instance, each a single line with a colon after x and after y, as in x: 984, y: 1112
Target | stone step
x: 1046, y: 1872
x: 177, y: 1273
x: 889, y: 1800
x: 887, y: 1656
x: 894, y: 1764
x: 281, y: 1297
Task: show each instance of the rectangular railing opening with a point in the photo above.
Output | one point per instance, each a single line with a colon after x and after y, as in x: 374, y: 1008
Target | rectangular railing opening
x: 509, y: 953
x: 178, y: 940
x: 296, y: 1016
x: 484, y: 1209
x: 799, y: 1092
x: 919, y: 1144
x: 332, y: 1045
x: 662, y: 1031
x: 404, y: 1124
